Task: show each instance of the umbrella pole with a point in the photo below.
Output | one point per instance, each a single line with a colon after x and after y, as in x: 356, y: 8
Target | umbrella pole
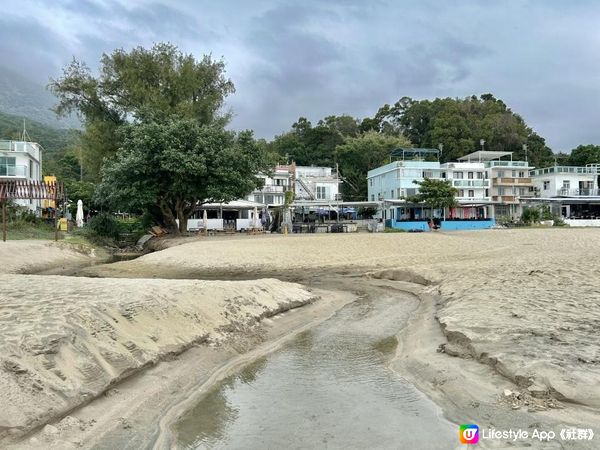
x: 4, y: 221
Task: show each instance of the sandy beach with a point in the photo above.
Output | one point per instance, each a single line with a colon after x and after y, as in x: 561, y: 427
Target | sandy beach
x: 505, y: 334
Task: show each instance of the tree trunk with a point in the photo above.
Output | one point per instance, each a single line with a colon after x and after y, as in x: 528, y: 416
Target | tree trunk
x: 168, y: 216
x: 183, y: 214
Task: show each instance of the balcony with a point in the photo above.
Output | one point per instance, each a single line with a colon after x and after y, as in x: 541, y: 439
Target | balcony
x: 512, y: 181
x: 471, y: 183
x: 21, y: 147
x: 507, y: 164
x: 578, y: 192
x: 13, y: 171
x: 274, y: 189
x: 505, y: 198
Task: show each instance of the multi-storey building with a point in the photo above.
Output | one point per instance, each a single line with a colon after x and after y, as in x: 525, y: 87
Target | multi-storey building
x: 21, y: 160
x: 509, y: 181
x: 274, y: 188
x: 316, y: 183
x: 487, y: 186
x: 572, y: 191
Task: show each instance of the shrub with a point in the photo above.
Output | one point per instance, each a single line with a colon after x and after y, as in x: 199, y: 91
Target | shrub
x: 105, y: 225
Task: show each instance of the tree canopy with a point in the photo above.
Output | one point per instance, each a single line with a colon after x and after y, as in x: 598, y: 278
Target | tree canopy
x: 178, y: 164
x: 360, y: 154
x: 584, y: 154
x: 435, y: 193
x: 136, y: 86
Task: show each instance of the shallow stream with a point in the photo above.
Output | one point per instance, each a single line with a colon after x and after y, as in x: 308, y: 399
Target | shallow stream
x: 329, y: 387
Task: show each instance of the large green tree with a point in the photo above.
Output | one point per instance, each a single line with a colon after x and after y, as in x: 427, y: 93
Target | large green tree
x: 459, y: 125
x: 360, y: 154
x: 585, y: 154
x: 135, y: 86
x: 436, y: 194
x: 177, y: 164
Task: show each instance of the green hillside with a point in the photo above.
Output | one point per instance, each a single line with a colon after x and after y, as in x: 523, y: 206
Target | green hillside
x: 55, y: 141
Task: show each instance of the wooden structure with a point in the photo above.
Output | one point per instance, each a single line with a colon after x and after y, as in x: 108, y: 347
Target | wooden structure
x: 30, y: 190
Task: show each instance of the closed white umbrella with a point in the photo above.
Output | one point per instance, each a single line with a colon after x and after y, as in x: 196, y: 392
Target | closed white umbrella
x: 79, y: 216
x: 256, y: 219
x: 205, y: 221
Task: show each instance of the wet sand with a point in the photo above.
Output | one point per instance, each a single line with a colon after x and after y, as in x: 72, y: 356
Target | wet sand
x: 500, y: 311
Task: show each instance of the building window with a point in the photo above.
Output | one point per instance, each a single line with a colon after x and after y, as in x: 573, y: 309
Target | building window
x: 501, y: 174
x: 258, y: 198
x: 370, y: 181
x: 372, y: 197
x: 30, y: 169
x: 522, y: 191
x: 500, y: 191
x: 458, y: 175
x: 269, y: 199
x: 461, y: 193
x: 8, y: 166
x: 546, y: 185
x: 443, y: 174
x: 427, y: 174
x: 514, y: 174
x: 321, y: 192
x: 392, y: 193
x: 566, y: 184
x: 521, y: 174
x: 471, y: 193
x: 480, y: 175
x: 470, y: 175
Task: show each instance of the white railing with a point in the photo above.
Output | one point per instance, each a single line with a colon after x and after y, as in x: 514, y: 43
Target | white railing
x: 578, y: 192
x: 471, y: 183
x: 506, y: 164
x: 20, y: 146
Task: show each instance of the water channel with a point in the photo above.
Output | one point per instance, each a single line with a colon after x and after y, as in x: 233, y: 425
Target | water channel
x: 329, y: 387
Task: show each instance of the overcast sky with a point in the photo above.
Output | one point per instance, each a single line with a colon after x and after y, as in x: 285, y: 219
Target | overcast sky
x: 316, y: 57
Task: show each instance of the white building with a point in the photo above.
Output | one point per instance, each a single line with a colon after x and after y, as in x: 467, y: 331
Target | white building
x: 316, y: 183
x: 507, y: 181
x: 571, y: 191
x: 489, y: 185
x: 275, y: 186
x: 21, y: 160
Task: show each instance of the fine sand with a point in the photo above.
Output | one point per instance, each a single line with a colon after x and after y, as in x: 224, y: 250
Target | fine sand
x: 506, y: 334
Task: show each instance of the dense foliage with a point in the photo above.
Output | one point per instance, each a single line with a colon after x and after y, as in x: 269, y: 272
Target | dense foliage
x: 178, y: 164
x: 137, y: 86
x: 435, y: 193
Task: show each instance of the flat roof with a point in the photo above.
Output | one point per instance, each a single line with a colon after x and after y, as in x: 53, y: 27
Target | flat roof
x: 484, y: 155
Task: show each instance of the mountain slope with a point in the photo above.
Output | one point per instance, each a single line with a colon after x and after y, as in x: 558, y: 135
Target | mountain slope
x: 21, y: 97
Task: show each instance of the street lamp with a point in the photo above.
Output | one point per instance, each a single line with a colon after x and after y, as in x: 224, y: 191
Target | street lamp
x: 481, y: 142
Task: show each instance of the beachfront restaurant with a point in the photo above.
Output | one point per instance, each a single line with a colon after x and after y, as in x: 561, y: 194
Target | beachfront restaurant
x: 417, y: 217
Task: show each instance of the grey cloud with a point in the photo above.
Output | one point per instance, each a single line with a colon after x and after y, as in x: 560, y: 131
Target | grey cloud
x: 316, y: 58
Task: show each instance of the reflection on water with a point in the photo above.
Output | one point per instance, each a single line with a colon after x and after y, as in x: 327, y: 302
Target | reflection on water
x: 328, y: 388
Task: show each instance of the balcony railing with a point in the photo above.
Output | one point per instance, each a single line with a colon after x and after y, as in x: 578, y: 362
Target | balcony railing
x: 13, y: 171
x: 507, y: 164
x: 578, y: 192
x: 471, y: 183
x: 505, y: 198
x: 512, y: 181
x: 20, y: 146
x: 274, y: 188
x: 590, y: 169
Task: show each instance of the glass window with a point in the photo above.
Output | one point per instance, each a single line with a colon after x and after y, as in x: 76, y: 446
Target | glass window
x: 458, y: 175
x: 8, y: 165
x: 521, y: 174
x: 501, y: 174
x: 566, y: 184
x: 470, y: 175
x: 471, y: 193
x: 546, y: 185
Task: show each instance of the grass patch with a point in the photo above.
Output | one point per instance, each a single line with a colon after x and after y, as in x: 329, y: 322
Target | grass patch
x: 26, y: 230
